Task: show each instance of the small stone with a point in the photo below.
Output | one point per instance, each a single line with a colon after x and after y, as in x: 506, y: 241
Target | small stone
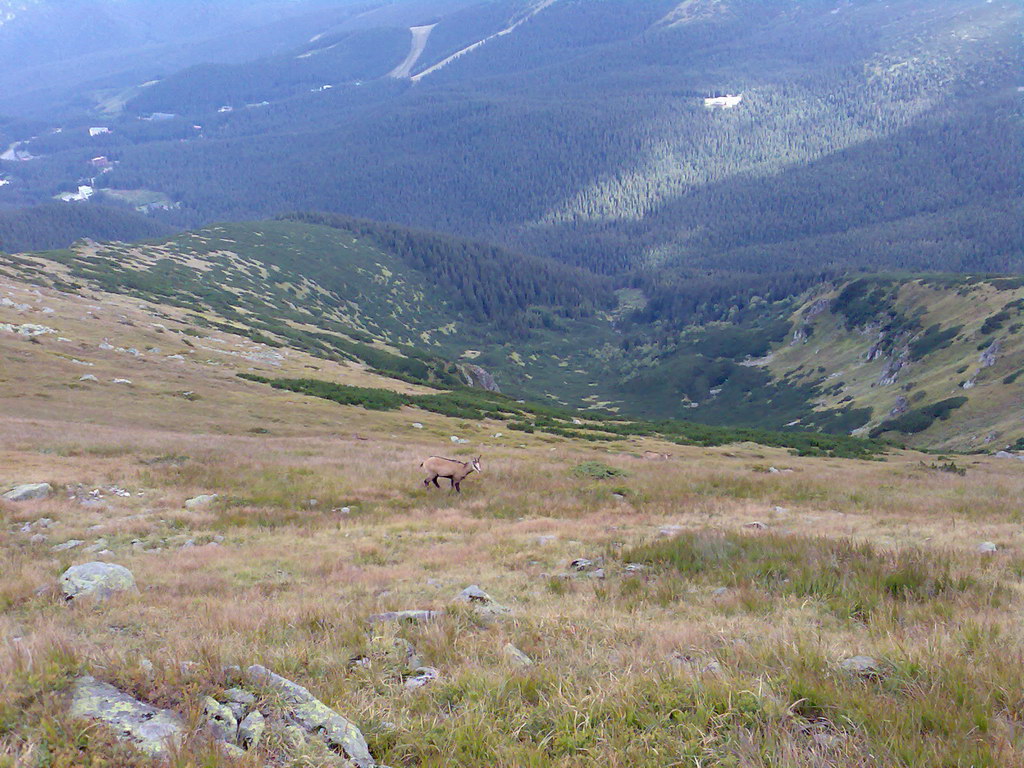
x: 250, y: 730
x: 417, y: 425
x: 127, y: 382
x: 89, y: 377
x: 757, y: 525
x: 634, y: 568
x: 581, y: 564
x: 71, y: 544
x: 39, y: 538
x: 671, y: 530
x: 421, y: 677
x: 146, y: 666
x: 720, y: 592
x: 400, y: 616
x: 864, y: 666
x: 546, y: 540
x: 201, y: 502
x: 483, y: 604
x: 987, y: 548
x: 597, y: 574
x: 30, y: 492
x: 516, y: 656
x: 619, y: 496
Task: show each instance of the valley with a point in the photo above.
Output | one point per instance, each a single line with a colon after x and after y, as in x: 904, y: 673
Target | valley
x: 862, y: 356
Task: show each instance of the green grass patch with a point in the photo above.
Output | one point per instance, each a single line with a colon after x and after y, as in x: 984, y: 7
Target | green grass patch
x: 852, y: 580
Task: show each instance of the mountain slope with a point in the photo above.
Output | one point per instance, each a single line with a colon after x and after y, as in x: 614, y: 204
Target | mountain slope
x: 939, y: 355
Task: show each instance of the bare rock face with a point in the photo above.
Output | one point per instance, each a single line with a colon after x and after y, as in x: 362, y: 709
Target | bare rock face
x: 30, y: 492
x: 891, y: 371
x: 990, y: 356
x: 479, y: 378
x: 316, y: 717
x: 99, y: 580
x: 902, y: 406
x: 153, y: 731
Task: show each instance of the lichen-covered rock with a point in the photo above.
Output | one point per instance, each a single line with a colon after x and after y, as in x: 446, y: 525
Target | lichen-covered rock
x: 154, y: 731
x: 482, y: 603
x: 250, y: 730
x: 220, y: 719
x: 316, y: 717
x: 30, y: 492
x: 99, y: 580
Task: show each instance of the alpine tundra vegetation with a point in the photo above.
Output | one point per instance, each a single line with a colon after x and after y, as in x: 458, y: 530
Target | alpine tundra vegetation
x: 729, y: 293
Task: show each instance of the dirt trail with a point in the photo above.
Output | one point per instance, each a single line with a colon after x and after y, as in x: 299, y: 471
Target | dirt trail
x: 469, y: 48
x: 420, y: 35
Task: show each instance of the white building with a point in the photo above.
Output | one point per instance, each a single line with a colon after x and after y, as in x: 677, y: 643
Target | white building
x: 723, y: 102
x: 84, y: 193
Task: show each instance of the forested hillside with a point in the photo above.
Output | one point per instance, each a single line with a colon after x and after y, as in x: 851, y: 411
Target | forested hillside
x: 931, y: 360
x: 869, y: 136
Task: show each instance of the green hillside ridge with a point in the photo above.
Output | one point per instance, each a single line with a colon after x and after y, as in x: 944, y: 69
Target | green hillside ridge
x: 942, y: 338
x: 431, y: 308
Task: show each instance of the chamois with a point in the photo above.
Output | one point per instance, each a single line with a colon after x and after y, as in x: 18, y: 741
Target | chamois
x: 456, y: 471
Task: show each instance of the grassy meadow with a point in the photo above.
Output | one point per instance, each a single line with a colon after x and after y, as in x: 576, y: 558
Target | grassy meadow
x: 694, y: 638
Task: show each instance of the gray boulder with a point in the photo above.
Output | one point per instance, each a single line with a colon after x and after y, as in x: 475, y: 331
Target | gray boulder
x: 156, y: 732
x: 987, y: 548
x: 98, y: 579
x: 30, y: 492
x: 316, y: 717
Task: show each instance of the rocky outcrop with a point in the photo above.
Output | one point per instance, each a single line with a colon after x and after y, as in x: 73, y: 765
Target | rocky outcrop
x: 29, y: 492
x: 990, y: 356
x: 97, y: 580
x: 316, y: 717
x: 902, y: 406
x: 156, y: 732
x: 480, y: 378
x: 891, y: 372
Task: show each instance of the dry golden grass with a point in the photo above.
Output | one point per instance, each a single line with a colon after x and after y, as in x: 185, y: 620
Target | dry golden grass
x: 654, y: 669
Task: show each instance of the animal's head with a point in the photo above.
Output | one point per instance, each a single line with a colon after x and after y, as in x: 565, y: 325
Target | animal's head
x: 475, y: 463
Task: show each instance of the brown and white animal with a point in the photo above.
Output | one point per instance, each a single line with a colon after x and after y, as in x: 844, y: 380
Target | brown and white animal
x: 456, y: 471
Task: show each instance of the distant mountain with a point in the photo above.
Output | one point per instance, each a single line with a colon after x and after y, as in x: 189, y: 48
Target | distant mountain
x: 858, y: 135
x: 53, y: 53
